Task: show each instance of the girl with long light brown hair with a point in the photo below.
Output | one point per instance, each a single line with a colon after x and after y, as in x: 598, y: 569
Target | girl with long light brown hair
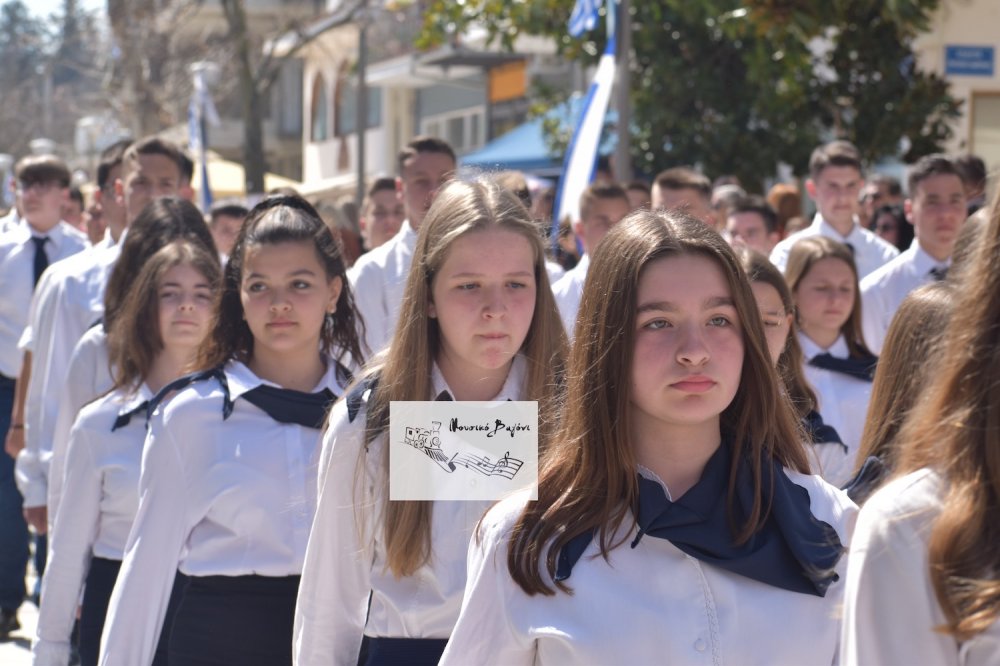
x: 675, y: 518
x: 478, y: 322
x: 823, y: 278
x: 924, y: 581
x: 774, y: 300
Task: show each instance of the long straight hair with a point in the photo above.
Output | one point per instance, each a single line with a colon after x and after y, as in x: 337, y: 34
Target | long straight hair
x: 135, y: 339
x: 955, y: 429
x: 587, y: 480
x: 275, y: 220
x: 908, y: 360
x: 404, y: 371
x: 789, y: 365
x: 802, y: 257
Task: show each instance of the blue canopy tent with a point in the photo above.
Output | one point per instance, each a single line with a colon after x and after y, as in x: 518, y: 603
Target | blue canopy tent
x: 524, y: 148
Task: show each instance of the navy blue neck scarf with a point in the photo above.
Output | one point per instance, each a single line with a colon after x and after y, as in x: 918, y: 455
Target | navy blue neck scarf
x: 282, y: 405
x: 125, y: 418
x: 859, y: 368
x: 820, y: 432
x: 793, y: 550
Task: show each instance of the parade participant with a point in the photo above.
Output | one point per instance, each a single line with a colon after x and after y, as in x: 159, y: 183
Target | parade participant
x: 379, y: 276
x: 228, y: 484
x: 224, y: 221
x: 676, y: 520
x: 27, y: 247
x: 478, y: 323
x: 889, y: 223
x: 751, y: 222
x: 774, y: 300
x: 153, y: 340
x: 602, y: 206
x: 89, y: 374
x: 923, y: 584
x: 936, y: 209
x: 684, y: 189
x: 907, y: 363
x: 382, y: 213
x: 835, y: 179
x: 824, y: 283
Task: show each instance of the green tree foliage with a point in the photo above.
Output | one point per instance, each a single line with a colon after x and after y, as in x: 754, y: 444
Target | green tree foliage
x: 739, y: 87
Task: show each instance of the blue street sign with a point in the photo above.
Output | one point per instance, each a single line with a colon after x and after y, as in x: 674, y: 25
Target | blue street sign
x: 961, y: 60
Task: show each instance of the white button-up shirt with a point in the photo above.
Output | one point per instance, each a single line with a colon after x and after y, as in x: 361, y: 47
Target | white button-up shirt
x: 103, y: 491
x: 568, y: 292
x: 378, y: 280
x: 89, y: 376
x: 17, y: 281
x: 843, y: 402
x: 346, y: 559
x: 883, y: 291
x: 891, y: 613
x: 870, y: 251
x: 69, y: 299
x: 217, y: 497
x: 652, y: 604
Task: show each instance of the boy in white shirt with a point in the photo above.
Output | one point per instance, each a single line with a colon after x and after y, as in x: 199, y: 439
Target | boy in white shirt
x: 936, y: 209
x: 834, y: 184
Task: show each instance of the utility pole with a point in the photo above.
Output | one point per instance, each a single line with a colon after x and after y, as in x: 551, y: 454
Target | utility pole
x: 623, y: 85
x: 362, y: 101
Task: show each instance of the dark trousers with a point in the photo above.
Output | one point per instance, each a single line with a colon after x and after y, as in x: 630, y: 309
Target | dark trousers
x: 14, y: 552
x: 96, y: 595
x: 235, y: 620
x: 405, y: 651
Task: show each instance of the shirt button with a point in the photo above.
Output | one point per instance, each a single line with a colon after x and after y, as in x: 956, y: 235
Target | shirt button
x: 699, y: 645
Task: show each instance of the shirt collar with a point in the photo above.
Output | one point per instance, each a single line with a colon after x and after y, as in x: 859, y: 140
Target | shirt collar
x: 923, y: 262
x: 24, y: 232
x: 512, y: 388
x: 241, y: 379
x: 810, y: 348
x: 135, y: 398
x: 407, y: 235
x: 826, y: 229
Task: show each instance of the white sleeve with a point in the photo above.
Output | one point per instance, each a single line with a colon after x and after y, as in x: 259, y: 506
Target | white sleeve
x: 484, y: 633
x: 875, y: 318
x: 332, y: 605
x: 368, y: 286
x: 159, y: 533
x: 81, y: 387
x: 70, y: 552
x: 890, y: 611
x: 779, y: 255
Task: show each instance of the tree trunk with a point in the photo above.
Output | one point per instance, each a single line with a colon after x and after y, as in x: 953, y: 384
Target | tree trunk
x: 253, y: 123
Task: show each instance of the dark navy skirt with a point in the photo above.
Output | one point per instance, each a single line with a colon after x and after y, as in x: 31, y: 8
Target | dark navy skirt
x: 235, y: 620
x: 100, y: 582
x: 404, y: 651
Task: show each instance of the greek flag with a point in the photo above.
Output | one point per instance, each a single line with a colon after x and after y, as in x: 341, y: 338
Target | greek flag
x: 578, y: 166
x: 584, y: 16
x: 201, y: 106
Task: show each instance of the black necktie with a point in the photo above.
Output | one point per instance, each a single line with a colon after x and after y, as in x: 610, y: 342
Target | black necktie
x: 820, y: 432
x: 938, y: 272
x: 850, y: 247
x: 793, y: 550
x: 860, y: 368
x: 41, y: 259
x: 125, y: 417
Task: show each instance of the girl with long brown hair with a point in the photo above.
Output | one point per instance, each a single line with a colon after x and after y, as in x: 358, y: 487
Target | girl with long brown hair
x: 823, y: 278
x: 478, y: 322
x: 675, y: 518
x: 923, y: 585
x: 228, y: 484
x: 774, y: 300
x: 157, y: 329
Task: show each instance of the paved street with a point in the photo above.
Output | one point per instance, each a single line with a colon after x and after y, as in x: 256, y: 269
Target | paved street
x: 17, y: 651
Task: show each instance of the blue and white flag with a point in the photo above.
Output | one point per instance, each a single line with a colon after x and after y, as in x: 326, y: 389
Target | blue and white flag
x: 584, y: 17
x: 201, y: 106
x: 581, y: 156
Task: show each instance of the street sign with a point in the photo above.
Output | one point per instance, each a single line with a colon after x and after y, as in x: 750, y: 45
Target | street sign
x: 962, y: 60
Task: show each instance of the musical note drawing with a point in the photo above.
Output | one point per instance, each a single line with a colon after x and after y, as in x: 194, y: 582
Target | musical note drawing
x: 428, y: 441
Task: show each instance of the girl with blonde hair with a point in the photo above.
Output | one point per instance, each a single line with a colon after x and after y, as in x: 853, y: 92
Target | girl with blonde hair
x: 478, y: 322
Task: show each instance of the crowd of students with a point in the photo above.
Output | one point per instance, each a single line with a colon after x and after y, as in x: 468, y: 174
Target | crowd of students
x: 198, y: 408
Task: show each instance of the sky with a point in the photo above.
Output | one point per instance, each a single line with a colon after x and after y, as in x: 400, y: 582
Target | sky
x: 45, y: 8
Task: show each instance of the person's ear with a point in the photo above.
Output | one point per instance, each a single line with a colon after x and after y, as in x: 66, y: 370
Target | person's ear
x: 811, y: 188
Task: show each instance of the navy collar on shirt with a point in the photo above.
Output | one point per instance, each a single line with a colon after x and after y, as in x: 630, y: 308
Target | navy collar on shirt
x: 793, y: 550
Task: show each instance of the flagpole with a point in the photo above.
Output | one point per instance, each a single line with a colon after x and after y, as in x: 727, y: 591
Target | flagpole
x: 623, y: 87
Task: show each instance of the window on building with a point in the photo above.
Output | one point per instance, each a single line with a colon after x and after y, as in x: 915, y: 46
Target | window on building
x: 462, y: 129
x: 346, y: 121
